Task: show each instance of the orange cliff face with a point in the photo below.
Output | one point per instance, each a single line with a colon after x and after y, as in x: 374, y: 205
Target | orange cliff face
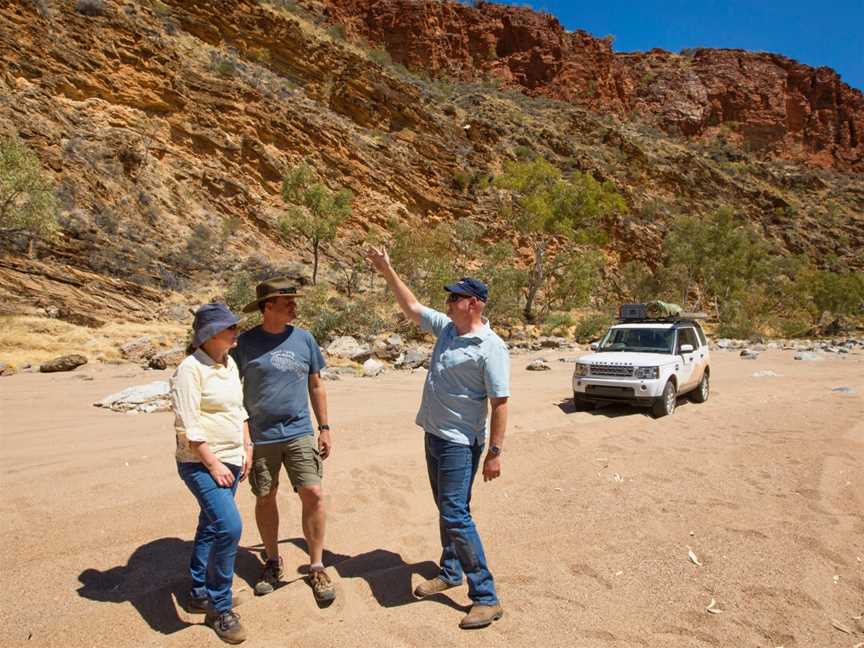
x: 770, y: 102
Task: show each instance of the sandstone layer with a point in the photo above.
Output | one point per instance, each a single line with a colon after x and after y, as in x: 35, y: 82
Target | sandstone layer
x: 774, y: 103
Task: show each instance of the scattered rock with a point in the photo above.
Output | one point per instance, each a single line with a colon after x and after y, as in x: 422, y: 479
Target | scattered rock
x: 413, y: 358
x: 765, y: 374
x: 808, y: 355
x: 538, y: 365
x: 349, y: 348
x: 843, y: 390
x: 329, y: 374
x: 63, y: 363
x: 169, y: 358
x: 372, y: 367
x: 552, y: 342
x: 388, y: 347
x: 138, y: 349
x: 749, y: 354
x: 152, y: 397
x: 6, y: 370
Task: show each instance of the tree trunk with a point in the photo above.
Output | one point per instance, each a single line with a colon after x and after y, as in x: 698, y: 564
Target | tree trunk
x: 315, y: 245
x: 535, y: 280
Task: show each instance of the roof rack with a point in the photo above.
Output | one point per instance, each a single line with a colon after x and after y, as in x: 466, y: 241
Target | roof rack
x: 633, y: 313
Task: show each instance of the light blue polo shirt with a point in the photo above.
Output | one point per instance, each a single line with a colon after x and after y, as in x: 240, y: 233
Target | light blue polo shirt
x: 465, y: 371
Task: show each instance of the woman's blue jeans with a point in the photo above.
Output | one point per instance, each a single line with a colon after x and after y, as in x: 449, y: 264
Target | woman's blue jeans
x: 452, y: 468
x: 217, y: 537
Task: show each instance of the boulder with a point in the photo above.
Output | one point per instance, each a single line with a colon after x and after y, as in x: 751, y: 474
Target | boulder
x: 413, y: 358
x: 170, y: 358
x: 808, y: 355
x: 329, y: 374
x: 749, y: 354
x: 348, y: 347
x: 538, y: 365
x: 388, y: 347
x: 152, y: 397
x: 372, y: 367
x: 552, y: 342
x: 6, y: 370
x: 63, y: 363
x: 138, y: 349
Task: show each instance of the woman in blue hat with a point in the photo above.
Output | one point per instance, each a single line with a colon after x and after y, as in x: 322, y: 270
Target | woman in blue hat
x: 213, y: 454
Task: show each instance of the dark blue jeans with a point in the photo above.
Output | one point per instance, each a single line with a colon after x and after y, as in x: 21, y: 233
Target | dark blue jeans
x: 217, y: 537
x: 452, y: 468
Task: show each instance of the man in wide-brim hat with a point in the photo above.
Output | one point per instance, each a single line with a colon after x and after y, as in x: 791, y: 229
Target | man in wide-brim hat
x: 280, y: 365
x: 265, y: 290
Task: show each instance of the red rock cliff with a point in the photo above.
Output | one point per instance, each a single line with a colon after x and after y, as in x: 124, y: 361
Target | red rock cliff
x: 770, y: 102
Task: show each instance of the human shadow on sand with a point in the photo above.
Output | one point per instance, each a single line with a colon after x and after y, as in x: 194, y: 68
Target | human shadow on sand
x: 155, y: 580
x: 386, y: 573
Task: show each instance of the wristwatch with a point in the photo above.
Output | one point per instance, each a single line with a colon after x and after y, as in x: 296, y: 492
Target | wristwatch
x: 494, y: 450
x: 322, y: 428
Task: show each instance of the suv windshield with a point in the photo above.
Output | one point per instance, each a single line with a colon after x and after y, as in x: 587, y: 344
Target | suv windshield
x: 641, y: 340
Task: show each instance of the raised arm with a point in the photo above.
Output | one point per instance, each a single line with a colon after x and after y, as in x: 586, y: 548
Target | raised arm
x: 380, y: 260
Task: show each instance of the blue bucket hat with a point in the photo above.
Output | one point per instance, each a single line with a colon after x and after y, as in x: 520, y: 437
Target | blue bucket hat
x: 211, y: 319
x: 470, y: 287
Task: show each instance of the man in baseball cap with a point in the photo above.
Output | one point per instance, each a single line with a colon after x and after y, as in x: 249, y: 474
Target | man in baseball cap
x: 469, y: 373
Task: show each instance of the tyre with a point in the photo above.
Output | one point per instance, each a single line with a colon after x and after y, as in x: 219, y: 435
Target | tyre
x: 703, y: 389
x: 665, y: 405
x: 580, y: 404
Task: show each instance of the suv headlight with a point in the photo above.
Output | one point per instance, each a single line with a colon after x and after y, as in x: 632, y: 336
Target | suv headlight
x: 647, y: 373
x: 581, y: 369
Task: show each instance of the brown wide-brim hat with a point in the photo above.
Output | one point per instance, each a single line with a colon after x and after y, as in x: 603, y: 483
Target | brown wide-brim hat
x: 279, y: 287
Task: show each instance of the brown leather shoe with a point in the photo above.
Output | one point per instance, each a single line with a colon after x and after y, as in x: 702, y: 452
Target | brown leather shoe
x: 481, y: 616
x: 432, y: 586
x: 322, y: 586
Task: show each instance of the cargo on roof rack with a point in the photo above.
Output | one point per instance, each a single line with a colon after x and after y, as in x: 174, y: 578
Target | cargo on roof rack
x: 656, y: 311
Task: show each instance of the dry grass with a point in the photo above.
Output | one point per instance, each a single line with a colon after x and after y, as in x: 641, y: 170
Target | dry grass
x: 34, y: 340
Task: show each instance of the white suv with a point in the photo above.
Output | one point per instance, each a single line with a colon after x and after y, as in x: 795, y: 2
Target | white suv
x: 645, y: 362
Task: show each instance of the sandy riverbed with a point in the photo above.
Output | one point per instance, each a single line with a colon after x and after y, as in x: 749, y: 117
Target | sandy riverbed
x: 587, y: 531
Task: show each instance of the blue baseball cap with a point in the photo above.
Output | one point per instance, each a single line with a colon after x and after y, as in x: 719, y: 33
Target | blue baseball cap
x: 469, y: 286
x: 211, y: 319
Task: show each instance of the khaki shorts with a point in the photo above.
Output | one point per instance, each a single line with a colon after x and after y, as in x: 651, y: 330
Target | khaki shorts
x: 300, y: 457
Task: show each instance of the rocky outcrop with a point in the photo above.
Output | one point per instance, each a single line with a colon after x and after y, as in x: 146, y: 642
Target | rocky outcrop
x: 771, y: 102
x: 166, y: 129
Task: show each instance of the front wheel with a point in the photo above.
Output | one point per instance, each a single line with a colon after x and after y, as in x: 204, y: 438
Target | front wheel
x: 665, y: 405
x: 580, y: 404
x: 700, y: 394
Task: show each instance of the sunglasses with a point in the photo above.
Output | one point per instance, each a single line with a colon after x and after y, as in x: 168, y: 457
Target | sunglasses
x: 454, y: 297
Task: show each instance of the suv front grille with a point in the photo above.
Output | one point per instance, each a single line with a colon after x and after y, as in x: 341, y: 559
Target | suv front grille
x: 615, y: 371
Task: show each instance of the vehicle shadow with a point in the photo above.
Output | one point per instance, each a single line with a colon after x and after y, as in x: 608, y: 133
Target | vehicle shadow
x: 386, y: 573
x: 155, y: 580
x: 613, y: 410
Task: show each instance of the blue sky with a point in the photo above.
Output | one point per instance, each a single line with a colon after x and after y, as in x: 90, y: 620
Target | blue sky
x: 826, y: 32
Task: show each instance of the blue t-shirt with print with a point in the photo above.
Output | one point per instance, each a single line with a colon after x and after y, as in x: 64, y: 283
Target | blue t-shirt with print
x: 465, y: 371
x: 275, y: 370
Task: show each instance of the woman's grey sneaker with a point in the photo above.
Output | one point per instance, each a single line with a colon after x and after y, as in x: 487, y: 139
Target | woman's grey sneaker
x: 322, y: 586
x: 269, y: 577
x: 227, y: 625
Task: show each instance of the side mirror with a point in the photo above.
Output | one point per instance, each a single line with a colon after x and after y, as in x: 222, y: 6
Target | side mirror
x: 595, y: 346
x: 686, y: 348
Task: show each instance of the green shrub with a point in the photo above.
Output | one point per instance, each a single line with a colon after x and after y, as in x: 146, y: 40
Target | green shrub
x: 557, y: 323
x: 27, y: 201
x: 592, y: 326
x: 336, y: 32
x: 380, y: 56
x: 328, y: 317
